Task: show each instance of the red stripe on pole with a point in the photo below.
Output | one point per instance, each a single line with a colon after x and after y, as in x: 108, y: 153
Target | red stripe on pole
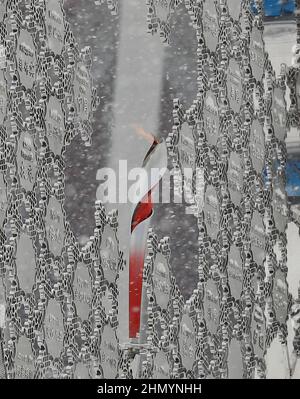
x: 136, y: 267
x: 143, y: 211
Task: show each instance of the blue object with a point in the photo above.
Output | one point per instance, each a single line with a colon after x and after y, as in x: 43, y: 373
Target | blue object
x: 293, y: 178
x: 292, y: 175
x: 289, y: 7
x: 277, y: 8
x: 273, y: 8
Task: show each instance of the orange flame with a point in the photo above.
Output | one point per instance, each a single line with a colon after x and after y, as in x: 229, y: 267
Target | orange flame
x: 140, y: 131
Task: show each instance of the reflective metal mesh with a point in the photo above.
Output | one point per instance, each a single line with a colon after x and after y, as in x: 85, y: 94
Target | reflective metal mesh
x: 60, y: 302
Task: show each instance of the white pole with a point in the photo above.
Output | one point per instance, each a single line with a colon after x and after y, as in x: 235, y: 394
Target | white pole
x: 136, y: 101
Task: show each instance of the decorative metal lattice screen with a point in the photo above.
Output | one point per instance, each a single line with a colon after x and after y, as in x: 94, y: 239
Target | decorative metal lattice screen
x: 59, y: 301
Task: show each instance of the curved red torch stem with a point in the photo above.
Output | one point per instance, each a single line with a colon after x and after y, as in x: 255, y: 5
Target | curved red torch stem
x: 142, y: 212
